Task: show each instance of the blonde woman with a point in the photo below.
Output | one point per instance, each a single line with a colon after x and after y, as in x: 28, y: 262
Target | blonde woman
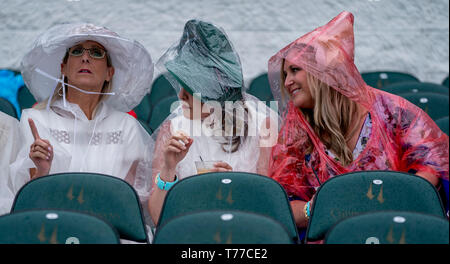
x: 334, y: 123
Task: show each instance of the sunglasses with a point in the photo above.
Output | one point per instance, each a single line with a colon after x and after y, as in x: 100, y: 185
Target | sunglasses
x: 95, y: 52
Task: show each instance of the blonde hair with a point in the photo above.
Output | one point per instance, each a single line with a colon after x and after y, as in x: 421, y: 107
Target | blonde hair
x: 237, y: 138
x: 333, y: 117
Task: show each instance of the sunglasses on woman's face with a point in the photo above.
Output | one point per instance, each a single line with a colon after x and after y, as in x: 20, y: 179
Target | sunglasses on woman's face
x: 94, y: 52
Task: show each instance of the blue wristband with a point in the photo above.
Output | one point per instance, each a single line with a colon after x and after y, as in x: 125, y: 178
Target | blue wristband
x: 307, y: 209
x: 163, y: 185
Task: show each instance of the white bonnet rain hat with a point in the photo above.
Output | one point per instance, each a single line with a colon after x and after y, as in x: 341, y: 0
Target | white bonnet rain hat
x: 133, y: 66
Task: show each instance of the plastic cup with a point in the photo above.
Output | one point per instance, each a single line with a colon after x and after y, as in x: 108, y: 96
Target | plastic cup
x: 205, y: 166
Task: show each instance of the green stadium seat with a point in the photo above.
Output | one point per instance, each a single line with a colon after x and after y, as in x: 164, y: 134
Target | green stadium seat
x: 161, y: 89
x: 443, y: 124
x: 260, y: 87
x: 445, y: 82
x: 144, y: 109
x: 379, y: 79
x: 145, y: 126
x: 415, y: 87
x: 222, y: 227
x: 390, y: 228
x: 7, y: 108
x: 26, y: 99
x: 360, y: 192
x: 435, y: 105
x: 162, y: 110
x: 107, y: 197
x: 229, y: 191
x: 55, y: 227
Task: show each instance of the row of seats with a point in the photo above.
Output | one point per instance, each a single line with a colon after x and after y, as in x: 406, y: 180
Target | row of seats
x: 383, y: 207
x: 387, y: 193
x: 51, y: 207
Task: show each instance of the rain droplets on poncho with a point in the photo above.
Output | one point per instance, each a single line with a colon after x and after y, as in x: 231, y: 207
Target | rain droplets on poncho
x: 204, y: 63
x: 403, y: 137
x: 9, y: 145
x: 113, y: 142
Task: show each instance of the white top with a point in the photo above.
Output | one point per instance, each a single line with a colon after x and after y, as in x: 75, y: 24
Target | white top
x: 110, y: 144
x: 209, y: 148
x: 251, y: 156
x: 9, y: 131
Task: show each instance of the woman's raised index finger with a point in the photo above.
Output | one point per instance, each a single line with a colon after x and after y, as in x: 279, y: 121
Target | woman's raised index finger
x: 34, y: 130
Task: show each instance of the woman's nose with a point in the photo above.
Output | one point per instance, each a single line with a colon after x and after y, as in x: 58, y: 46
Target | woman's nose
x: 85, y: 56
x: 288, y: 81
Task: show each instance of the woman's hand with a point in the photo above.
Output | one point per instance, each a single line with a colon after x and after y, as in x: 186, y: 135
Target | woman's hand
x: 41, y: 152
x: 222, y: 166
x: 176, y: 149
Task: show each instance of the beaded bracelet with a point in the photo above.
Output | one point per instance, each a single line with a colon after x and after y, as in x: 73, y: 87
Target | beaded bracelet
x: 306, y: 210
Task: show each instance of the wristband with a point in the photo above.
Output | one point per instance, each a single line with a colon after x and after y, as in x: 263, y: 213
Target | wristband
x: 308, y: 209
x: 305, y: 210
x: 163, y: 185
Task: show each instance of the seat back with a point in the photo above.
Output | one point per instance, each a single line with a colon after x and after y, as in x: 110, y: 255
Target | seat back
x: 445, y: 82
x: 161, y: 88
x: 415, y: 87
x: 55, y: 227
x: 107, y: 197
x: 260, y: 87
x: 393, y: 227
x: 26, y: 99
x: 365, y: 191
x: 443, y: 124
x: 7, y: 108
x: 145, y: 126
x: 229, y: 191
x: 379, y: 79
x: 435, y: 105
x: 143, y: 109
x: 162, y: 110
x: 222, y: 227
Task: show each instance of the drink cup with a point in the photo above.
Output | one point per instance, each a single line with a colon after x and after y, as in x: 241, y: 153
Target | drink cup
x: 205, y: 166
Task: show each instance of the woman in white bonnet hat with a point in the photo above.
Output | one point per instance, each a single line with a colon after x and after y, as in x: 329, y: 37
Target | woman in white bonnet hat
x: 85, y: 79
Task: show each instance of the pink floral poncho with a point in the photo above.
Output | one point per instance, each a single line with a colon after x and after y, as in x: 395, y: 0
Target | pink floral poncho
x: 403, y: 137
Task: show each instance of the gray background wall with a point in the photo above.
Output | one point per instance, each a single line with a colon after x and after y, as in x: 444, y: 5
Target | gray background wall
x: 400, y: 35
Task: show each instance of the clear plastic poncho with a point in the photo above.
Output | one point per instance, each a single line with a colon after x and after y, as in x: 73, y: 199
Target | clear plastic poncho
x: 9, y: 145
x: 205, y: 64
x: 113, y: 142
x: 403, y: 137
